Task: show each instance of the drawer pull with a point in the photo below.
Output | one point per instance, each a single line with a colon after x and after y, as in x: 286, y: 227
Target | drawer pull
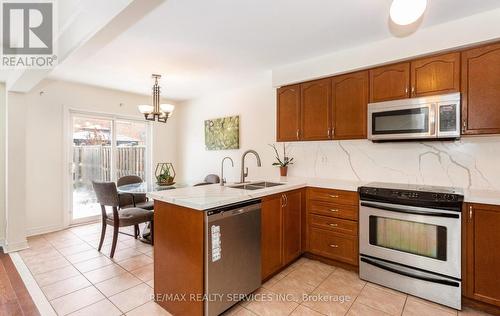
x: 334, y: 246
x: 333, y: 196
x: 333, y: 210
x: 334, y: 225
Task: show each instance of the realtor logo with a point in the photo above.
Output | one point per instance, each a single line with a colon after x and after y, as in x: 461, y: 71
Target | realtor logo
x: 28, y: 34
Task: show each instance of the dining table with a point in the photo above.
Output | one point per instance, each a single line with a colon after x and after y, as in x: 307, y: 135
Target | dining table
x: 145, y: 188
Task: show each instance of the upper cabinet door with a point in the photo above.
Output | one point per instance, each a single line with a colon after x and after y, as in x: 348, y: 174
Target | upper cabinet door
x: 390, y: 82
x: 435, y: 75
x: 288, y: 113
x: 350, y: 103
x: 481, y: 90
x: 316, y: 103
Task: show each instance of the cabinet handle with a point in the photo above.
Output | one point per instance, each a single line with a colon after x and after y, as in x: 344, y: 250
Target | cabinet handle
x: 333, y: 196
x: 334, y: 225
x: 333, y: 210
x: 333, y: 131
x: 329, y: 133
x: 282, y: 200
x: 406, y: 90
x: 286, y: 199
x: 298, y: 134
x: 334, y: 246
x: 464, y: 126
x: 413, y: 90
x: 470, y: 213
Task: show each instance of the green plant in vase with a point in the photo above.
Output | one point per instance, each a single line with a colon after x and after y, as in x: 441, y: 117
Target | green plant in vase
x: 284, y: 162
x: 165, y: 173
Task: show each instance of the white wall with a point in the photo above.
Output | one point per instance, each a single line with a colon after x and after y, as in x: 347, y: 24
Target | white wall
x: 15, y: 237
x: 462, y: 32
x: 471, y: 162
x: 44, y: 143
x: 3, y: 129
x: 254, y: 102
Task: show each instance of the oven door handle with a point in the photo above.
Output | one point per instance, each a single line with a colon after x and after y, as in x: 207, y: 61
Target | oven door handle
x: 410, y: 275
x: 400, y: 210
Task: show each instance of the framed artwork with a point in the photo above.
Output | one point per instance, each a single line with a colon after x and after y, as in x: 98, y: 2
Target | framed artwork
x: 222, y: 133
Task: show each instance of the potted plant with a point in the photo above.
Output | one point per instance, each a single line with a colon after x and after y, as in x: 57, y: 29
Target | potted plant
x: 282, y: 163
x: 165, y: 174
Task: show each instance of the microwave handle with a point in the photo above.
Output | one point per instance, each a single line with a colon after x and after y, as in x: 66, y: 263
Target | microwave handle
x: 432, y: 118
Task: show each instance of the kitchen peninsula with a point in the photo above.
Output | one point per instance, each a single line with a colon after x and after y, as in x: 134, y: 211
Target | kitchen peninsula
x: 296, y: 219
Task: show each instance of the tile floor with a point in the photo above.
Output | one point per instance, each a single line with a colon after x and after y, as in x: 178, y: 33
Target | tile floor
x: 79, y: 280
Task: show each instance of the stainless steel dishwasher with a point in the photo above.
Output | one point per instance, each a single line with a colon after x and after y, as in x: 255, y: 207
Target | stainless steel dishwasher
x: 232, y: 254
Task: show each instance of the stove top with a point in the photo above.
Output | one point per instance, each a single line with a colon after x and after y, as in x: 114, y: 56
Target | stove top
x: 412, y: 194
x: 415, y: 187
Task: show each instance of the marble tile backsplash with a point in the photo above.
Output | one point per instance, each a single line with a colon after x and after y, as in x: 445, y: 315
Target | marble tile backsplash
x: 471, y: 162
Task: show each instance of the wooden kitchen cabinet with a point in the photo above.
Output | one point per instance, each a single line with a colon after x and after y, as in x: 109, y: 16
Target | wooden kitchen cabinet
x: 281, y: 230
x: 482, y: 259
x: 272, y: 234
x: 435, y: 75
x: 390, y: 82
x: 292, y: 213
x: 316, y: 116
x: 481, y: 90
x: 288, y: 113
x: 332, y: 227
x: 349, y: 105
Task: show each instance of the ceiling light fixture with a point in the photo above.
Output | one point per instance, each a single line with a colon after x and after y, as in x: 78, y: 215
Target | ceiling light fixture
x: 404, y: 12
x: 156, y: 112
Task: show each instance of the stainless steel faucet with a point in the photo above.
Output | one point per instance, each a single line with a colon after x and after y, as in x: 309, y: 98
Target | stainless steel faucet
x: 222, y: 180
x: 244, y: 171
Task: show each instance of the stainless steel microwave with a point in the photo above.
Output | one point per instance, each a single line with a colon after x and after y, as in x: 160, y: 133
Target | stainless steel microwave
x: 416, y: 118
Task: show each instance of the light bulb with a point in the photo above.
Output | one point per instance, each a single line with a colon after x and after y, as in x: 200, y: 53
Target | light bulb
x: 404, y: 12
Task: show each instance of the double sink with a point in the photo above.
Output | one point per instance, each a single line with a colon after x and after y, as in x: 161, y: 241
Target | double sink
x: 255, y: 185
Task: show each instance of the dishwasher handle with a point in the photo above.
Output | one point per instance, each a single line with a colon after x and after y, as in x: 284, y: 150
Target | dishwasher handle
x: 233, y: 210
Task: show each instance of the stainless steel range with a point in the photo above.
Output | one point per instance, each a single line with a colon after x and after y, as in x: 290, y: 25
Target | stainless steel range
x: 410, y: 240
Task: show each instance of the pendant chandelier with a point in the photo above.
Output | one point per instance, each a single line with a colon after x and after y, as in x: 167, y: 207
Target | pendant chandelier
x: 156, y: 112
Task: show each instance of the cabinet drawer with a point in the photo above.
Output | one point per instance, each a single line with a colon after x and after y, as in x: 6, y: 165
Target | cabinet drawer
x: 334, y: 224
x: 334, y: 196
x: 334, y: 210
x: 334, y: 246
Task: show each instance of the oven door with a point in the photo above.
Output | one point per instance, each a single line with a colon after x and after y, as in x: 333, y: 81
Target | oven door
x: 401, y: 122
x: 421, y: 238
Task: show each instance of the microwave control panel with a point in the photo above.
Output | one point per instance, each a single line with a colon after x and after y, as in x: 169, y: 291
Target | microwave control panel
x: 448, y: 118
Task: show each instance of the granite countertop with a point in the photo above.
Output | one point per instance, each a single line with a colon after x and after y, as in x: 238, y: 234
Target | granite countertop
x: 211, y: 196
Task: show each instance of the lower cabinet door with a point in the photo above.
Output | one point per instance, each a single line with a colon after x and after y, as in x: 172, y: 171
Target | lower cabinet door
x: 482, y: 255
x: 334, y: 246
x: 292, y: 226
x: 272, y: 237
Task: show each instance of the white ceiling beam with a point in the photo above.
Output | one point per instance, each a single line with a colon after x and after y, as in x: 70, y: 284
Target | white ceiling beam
x: 87, y: 26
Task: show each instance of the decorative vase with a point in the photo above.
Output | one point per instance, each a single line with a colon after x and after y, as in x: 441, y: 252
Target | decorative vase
x: 165, y: 174
x: 283, y: 171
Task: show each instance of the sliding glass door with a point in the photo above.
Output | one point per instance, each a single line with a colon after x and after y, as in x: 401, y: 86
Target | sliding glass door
x: 104, y: 149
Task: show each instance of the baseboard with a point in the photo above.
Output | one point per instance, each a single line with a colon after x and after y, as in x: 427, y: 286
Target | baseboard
x: 332, y: 262
x: 44, y: 230
x: 16, y: 246
x: 484, y: 307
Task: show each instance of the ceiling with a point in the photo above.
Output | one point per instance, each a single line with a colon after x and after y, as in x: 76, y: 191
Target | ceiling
x: 203, y: 45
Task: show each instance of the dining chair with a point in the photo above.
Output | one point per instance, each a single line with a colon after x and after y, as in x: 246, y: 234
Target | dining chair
x: 209, y: 179
x: 107, y: 195
x: 133, y: 199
